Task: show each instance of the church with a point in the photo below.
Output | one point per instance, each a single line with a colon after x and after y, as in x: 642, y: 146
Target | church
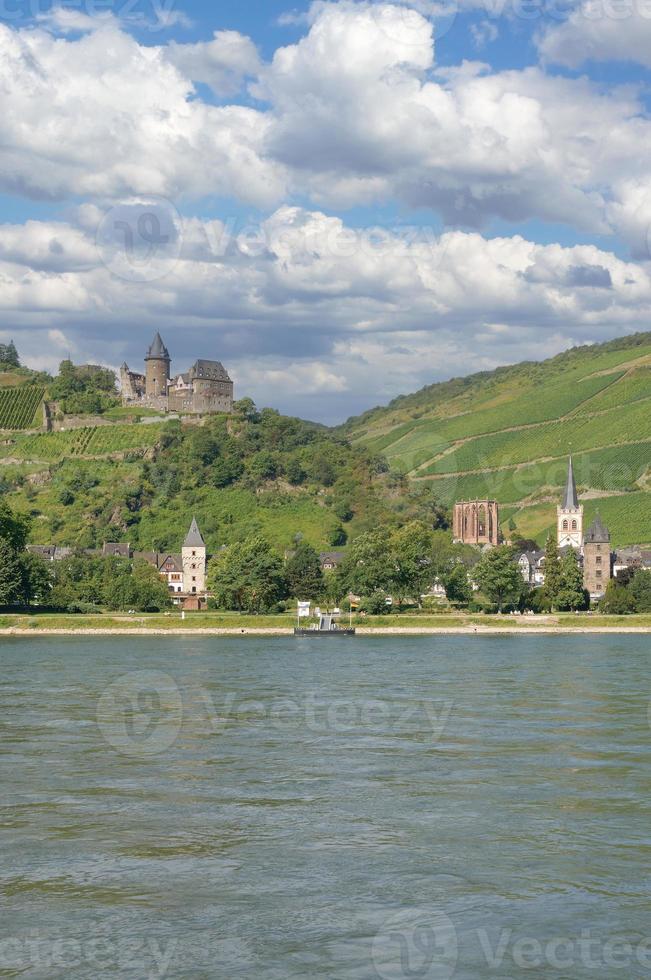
x: 206, y: 388
x: 593, y: 546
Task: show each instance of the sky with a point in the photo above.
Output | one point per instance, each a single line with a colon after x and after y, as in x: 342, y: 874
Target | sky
x: 341, y: 201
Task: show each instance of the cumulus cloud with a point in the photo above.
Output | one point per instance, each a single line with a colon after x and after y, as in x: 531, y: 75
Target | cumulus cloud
x: 355, y: 112
x: 599, y: 31
x: 222, y: 63
x: 306, y: 307
x: 105, y: 116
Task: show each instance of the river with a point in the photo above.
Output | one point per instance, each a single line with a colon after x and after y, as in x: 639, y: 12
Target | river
x: 377, y: 807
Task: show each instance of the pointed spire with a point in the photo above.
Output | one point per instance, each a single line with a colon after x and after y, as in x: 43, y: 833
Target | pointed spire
x: 570, y: 498
x: 158, y: 348
x: 194, y: 538
x: 598, y: 533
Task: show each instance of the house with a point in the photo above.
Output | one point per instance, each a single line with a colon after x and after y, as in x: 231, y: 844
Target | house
x: 331, y: 560
x: 113, y: 550
x: 532, y: 567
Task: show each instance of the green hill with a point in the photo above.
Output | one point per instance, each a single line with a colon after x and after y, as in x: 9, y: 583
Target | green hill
x: 506, y: 434
x: 254, y: 472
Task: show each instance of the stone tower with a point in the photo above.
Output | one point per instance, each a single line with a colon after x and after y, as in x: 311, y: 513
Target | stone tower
x: 194, y: 561
x: 477, y: 522
x: 570, y: 515
x: 597, y: 567
x: 157, y: 367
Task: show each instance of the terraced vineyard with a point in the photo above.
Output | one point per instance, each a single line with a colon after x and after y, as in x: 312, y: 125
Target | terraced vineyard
x: 507, y: 434
x: 18, y: 406
x: 87, y: 442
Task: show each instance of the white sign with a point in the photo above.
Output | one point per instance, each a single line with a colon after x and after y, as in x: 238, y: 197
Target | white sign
x: 303, y: 610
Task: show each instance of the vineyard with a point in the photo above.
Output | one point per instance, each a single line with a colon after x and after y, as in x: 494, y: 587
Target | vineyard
x: 18, y: 406
x: 90, y: 441
x: 507, y: 435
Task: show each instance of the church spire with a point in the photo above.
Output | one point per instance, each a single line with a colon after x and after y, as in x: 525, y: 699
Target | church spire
x: 570, y: 499
x: 194, y: 538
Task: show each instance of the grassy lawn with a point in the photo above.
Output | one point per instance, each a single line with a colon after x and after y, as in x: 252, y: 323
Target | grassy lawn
x: 235, y: 621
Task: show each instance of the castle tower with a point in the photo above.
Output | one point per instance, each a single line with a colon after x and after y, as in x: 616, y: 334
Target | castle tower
x: 194, y: 561
x: 157, y: 367
x: 569, y: 515
x: 597, y: 566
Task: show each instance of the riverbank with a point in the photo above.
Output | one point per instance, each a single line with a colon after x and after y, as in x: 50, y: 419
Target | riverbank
x: 224, y: 624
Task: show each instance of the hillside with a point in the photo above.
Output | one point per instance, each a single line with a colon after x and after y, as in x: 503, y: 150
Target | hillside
x: 141, y: 481
x: 506, y: 434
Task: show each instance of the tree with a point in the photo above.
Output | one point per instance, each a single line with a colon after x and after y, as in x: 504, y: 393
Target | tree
x: 456, y: 585
x: 571, y: 594
x: 151, y: 592
x: 9, y: 354
x: 36, y: 579
x: 411, y: 561
x: 14, y: 528
x: 618, y: 600
x: 368, y: 567
x: 303, y: 573
x: 553, y: 572
x: 499, y: 577
x: 640, y: 589
x: 11, y: 574
x: 248, y: 576
x: 375, y: 604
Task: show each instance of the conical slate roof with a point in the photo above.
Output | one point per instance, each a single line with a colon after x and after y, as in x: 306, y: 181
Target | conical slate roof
x: 598, y: 533
x: 158, y: 348
x: 570, y: 498
x: 194, y: 539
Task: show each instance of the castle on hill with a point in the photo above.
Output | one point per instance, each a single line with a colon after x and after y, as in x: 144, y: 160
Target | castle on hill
x: 205, y: 388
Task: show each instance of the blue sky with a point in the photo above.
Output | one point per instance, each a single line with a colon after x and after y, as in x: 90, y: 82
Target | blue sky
x: 361, y: 196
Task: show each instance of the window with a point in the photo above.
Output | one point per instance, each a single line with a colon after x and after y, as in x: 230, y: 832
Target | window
x: 574, y: 525
x: 565, y: 525
x: 599, y: 573
x: 598, y: 559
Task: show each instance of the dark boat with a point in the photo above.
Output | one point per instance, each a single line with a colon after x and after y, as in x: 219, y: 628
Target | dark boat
x: 326, y: 627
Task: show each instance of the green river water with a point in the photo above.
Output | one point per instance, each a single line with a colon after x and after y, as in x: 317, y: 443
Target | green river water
x: 399, y: 808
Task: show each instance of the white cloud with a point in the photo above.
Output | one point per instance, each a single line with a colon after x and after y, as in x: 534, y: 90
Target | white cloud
x: 353, y: 113
x: 222, y: 63
x: 600, y: 30
x: 307, y: 308
x: 105, y: 116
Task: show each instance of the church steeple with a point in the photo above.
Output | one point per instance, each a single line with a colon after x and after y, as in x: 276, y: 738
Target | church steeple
x: 571, y: 499
x: 569, y: 529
